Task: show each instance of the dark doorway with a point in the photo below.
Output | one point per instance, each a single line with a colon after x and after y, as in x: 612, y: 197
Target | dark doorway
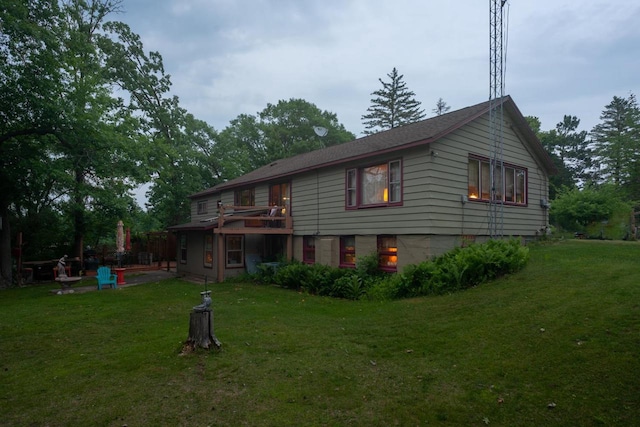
x: 274, y: 248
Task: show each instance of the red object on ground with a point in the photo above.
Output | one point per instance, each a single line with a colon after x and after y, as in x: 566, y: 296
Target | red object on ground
x: 120, y: 276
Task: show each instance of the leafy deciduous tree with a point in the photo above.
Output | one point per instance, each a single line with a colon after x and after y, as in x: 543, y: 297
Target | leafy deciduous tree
x: 29, y: 107
x: 61, y: 115
x: 180, y: 156
x: 280, y: 130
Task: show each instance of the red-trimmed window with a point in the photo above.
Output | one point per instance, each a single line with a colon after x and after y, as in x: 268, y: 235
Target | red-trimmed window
x: 510, y: 182
x: 388, y: 253
x: 309, y: 249
x: 376, y: 185
x: 352, y: 190
x: 347, y: 251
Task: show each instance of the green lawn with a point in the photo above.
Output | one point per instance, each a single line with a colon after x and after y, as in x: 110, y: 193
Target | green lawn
x: 564, y: 332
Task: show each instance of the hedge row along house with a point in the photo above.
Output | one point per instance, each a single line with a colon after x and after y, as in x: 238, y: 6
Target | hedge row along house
x: 408, y: 194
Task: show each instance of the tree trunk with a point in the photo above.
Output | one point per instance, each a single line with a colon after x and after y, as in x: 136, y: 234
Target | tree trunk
x: 79, y: 219
x: 5, y: 247
x: 201, y: 330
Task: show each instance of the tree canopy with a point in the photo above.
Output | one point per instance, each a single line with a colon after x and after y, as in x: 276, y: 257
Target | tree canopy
x: 571, y: 153
x: 599, y: 171
x: 71, y: 149
x: 280, y: 130
x: 393, y: 105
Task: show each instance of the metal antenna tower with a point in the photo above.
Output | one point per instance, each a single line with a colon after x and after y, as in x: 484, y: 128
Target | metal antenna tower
x: 496, y: 116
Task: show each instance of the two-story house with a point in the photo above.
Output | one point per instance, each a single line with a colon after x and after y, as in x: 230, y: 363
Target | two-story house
x: 408, y: 194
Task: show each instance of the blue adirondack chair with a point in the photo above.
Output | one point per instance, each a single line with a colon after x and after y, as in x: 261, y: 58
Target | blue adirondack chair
x: 105, y: 277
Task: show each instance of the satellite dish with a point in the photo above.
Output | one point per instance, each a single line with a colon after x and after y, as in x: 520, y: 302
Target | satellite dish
x: 320, y: 131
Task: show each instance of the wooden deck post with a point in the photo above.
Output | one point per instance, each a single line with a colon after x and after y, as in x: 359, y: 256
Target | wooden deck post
x: 221, y: 263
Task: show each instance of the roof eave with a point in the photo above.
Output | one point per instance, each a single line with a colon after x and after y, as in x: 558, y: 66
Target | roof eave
x: 425, y: 141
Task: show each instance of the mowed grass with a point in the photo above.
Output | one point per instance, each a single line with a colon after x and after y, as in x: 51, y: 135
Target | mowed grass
x: 555, y: 344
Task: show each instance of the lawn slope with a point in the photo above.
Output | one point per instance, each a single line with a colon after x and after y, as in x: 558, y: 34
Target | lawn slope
x: 555, y: 344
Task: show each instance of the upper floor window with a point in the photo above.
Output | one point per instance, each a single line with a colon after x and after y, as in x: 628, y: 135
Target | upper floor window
x: 279, y: 195
x: 510, y: 182
x: 309, y: 249
x: 246, y: 197
x: 352, y: 195
x: 378, y: 185
x: 202, y: 207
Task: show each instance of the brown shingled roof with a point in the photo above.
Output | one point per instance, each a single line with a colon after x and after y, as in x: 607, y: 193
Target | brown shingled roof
x: 421, y: 132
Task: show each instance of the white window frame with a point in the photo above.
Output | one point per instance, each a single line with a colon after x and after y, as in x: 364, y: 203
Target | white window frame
x: 229, y: 251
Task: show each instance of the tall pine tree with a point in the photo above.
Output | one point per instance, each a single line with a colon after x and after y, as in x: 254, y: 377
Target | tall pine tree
x: 571, y: 153
x: 617, y: 141
x: 441, y: 107
x: 394, y: 105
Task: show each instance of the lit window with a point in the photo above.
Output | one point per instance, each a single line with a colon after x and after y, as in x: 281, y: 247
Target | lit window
x: 378, y: 185
x: 375, y: 186
x: 521, y: 186
x: 309, y: 249
x: 279, y: 195
x: 388, y: 253
x: 235, y: 251
x: 208, y: 250
x: 347, y: 251
x: 510, y: 182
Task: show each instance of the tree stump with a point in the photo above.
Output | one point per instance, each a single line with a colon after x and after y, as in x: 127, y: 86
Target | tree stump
x: 201, y: 330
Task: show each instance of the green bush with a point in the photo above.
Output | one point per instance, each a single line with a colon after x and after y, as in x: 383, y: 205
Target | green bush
x: 602, y: 212
x: 455, y: 270
x: 369, y: 266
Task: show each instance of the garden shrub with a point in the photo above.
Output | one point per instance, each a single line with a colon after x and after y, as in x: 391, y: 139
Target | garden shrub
x: 455, y: 270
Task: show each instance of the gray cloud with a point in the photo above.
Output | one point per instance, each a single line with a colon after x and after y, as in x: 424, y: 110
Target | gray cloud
x: 229, y: 57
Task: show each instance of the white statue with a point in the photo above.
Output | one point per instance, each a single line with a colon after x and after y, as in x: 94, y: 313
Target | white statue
x: 206, y: 302
x: 62, y: 265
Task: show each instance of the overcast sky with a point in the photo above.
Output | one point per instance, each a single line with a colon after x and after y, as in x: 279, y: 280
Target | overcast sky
x: 229, y: 57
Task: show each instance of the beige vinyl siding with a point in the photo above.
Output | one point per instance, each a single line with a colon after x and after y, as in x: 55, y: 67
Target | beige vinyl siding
x: 211, y: 208
x: 195, y: 256
x: 450, y: 177
x: 433, y: 187
x: 262, y: 195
